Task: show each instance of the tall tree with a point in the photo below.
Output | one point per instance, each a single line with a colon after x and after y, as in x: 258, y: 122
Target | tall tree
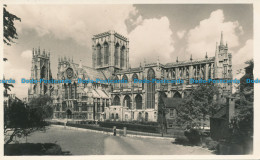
x: 199, y: 105
x: 21, y: 120
x: 9, y: 28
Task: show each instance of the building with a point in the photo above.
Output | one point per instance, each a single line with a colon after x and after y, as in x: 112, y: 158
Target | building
x: 124, y: 101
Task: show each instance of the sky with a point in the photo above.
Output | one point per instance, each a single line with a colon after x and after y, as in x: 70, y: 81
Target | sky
x: 164, y: 31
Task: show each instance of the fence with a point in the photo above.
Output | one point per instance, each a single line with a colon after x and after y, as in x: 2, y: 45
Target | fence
x: 110, y: 130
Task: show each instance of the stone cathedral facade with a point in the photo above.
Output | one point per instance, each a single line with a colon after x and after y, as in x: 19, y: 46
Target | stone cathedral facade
x: 123, y: 101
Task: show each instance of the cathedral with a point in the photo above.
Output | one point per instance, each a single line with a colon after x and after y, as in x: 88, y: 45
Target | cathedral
x: 122, y: 101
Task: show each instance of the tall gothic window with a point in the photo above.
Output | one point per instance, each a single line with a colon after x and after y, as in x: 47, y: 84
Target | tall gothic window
x: 122, y: 57
x: 70, y: 90
x: 106, y: 52
x: 66, y: 91
x: 116, y: 84
x: 209, y: 75
x: 125, y: 85
x: 75, y: 91
x: 127, y: 102
x: 99, y: 56
x: 116, y: 100
x: 135, y: 85
x: 138, y: 102
x: 187, y: 76
x: 150, y: 89
x: 35, y: 72
x: 116, y: 54
x: 43, y: 72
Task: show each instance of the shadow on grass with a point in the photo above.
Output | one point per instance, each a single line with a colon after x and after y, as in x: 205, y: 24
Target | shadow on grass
x: 34, y: 149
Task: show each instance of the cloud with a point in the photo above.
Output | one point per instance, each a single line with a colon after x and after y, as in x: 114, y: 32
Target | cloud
x: 78, y: 22
x: 27, y: 54
x: 150, y: 39
x: 203, y: 37
x: 244, y: 54
x: 180, y: 34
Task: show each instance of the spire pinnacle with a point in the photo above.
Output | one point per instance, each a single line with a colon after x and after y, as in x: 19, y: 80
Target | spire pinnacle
x: 221, y: 39
x: 177, y: 59
x: 80, y: 64
x: 191, y: 57
x: 206, y: 55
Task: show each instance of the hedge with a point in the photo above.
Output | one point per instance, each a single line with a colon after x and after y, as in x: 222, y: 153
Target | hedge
x: 131, y: 126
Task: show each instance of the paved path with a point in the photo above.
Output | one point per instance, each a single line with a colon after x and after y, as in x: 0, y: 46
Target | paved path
x: 80, y: 142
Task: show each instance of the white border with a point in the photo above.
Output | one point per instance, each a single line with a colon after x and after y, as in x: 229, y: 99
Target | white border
x: 256, y: 6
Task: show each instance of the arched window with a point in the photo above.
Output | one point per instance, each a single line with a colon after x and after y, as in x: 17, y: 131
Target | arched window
x: 66, y: 91
x: 106, y: 52
x: 75, y: 90
x: 125, y: 85
x: 150, y: 89
x: 163, y: 95
x: 117, y: 116
x: 139, y: 116
x: 138, y: 101
x: 135, y: 85
x: 202, y: 76
x: 173, y: 77
x: 187, y: 76
x: 35, y: 71
x: 43, y: 72
x: 116, y: 54
x: 209, y: 75
x: 116, y: 101
x: 70, y: 90
x: 122, y: 57
x: 112, y: 116
x: 99, y: 56
x: 116, y: 84
x: 177, y: 95
x: 146, y: 116
x: 127, y: 102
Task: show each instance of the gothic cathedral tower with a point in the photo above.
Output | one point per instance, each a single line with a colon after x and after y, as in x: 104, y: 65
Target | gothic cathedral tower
x: 40, y: 70
x: 223, y: 66
x: 110, y: 52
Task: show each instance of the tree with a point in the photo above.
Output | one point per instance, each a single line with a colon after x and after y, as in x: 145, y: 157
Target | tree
x: 21, y: 120
x: 199, y: 105
x: 9, y: 28
x: 242, y: 124
x: 43, y: 103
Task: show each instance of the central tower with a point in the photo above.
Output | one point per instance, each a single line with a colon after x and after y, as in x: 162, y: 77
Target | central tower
x: 110, y: 51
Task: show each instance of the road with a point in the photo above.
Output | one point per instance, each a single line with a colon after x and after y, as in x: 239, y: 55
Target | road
x: 80, y: 142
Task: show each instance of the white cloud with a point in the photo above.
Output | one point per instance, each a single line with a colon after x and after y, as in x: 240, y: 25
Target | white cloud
x: 245, y: 53
x: 203, y: 37
x: 27, y: 54
x: 78, y: 22
x: 181, y: 34
x: 152, y: 38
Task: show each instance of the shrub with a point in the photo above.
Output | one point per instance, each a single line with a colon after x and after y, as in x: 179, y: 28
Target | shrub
x: 193, y: 136
x: 182, y: 140
x: 211, y: 144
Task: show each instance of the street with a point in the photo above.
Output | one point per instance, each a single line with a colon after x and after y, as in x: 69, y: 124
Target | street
x: 80, y: 142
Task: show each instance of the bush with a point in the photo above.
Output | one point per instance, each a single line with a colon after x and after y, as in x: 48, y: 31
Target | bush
x: 182, y: 140
x: 193, y: 136
x: 211, y: 144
